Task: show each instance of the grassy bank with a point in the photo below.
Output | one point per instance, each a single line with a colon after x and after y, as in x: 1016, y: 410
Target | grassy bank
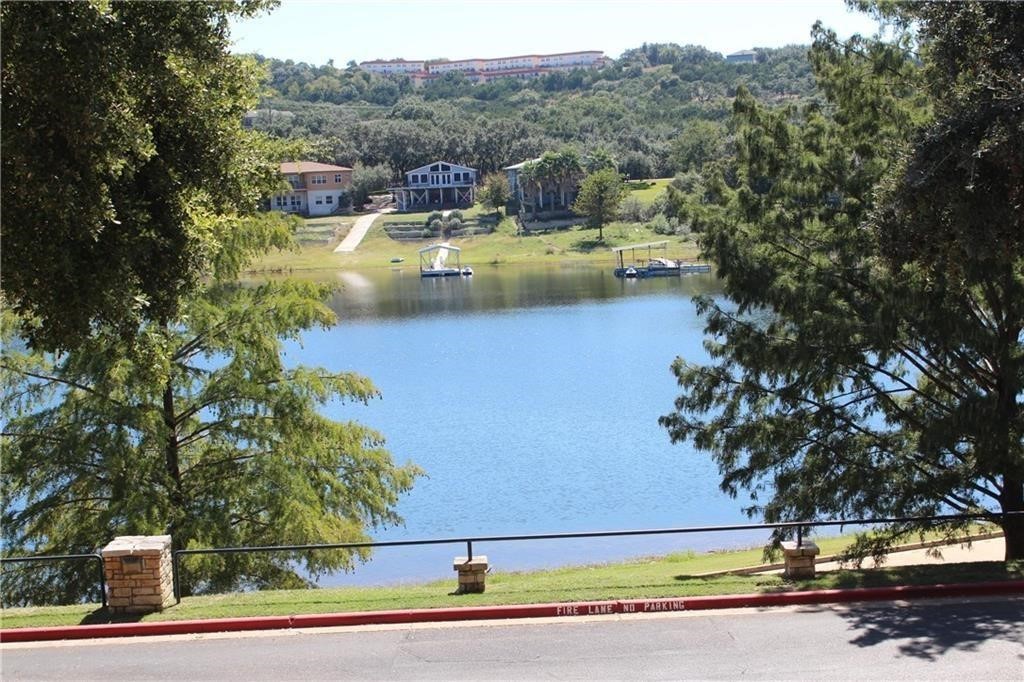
x: 503, y: 246
x: 675, y: 575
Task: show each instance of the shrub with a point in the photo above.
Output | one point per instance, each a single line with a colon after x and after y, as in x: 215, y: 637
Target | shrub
x: 434, y: 217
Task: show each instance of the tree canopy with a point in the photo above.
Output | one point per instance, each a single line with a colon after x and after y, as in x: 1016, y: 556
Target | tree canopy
x: 121, y: 142
x: 599, y: 198
x: 195, y: 428
x: 868, y: 359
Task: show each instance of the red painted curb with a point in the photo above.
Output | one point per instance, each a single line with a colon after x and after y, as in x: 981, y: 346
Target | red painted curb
x: 624, y: 606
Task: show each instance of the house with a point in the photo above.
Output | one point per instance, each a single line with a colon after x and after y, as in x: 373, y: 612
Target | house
x: 742, y: 57
x: 440, y: 184
x: 553, y: 187
x: 316, y: 188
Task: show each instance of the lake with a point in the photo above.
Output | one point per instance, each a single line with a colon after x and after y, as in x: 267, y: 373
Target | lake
x: 530, y: 397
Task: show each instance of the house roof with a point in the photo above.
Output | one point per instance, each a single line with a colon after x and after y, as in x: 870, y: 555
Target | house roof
x: 426, y: 168
x: 292, y: 167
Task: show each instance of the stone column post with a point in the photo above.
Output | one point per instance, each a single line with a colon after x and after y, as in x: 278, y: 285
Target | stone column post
x: 139, y: 571
x: 799, y: 559
x: 471, y: 573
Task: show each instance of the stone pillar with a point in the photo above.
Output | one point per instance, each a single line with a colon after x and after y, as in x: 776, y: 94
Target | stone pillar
x: 471, y: 573
x: 799, y: 559
x: 139, y: 571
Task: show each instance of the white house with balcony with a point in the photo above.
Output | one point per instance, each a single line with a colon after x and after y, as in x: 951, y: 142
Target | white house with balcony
x: 437, y: 185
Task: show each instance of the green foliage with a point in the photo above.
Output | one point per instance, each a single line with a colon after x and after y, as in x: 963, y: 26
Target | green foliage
x: 197, y: 429
x: 634, y: 114
x: 367, y: 180
x: 599, y: 198
x: 124, y: 165
x: 868, y: 361
x: 495, y: 192
x: 699, y: 142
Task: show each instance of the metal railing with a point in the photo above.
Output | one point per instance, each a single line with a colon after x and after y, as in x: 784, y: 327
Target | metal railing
x: 798, y: 527
x: 65, y: 557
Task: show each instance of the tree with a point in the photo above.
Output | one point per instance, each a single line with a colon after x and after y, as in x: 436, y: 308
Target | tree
x: 868, y: 361
x: 495, y: 192
x: 197, y: 429
x: 699, y: 142
x: 599, y: 198
x: 366, y: 180
x: 121, y: 139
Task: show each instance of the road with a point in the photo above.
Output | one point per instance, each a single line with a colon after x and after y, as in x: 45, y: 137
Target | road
x: 980, y: 639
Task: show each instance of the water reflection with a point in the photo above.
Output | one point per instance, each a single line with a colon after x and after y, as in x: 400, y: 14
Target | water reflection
x: 402, y: 293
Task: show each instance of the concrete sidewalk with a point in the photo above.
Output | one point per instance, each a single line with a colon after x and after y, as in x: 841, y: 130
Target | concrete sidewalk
x: 355, y: 236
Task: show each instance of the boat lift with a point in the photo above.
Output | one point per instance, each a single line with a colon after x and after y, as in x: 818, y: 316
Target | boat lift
x: 655, y: 265
x: 434, y: 261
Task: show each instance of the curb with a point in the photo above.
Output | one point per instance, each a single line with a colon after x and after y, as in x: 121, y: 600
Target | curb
x: 469, y: 613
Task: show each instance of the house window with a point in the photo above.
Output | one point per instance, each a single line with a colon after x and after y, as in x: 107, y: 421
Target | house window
x: 337, y: 177
x: 445, y: 167
x: 329, y: 200
x: 295, y: 201
x: 319, y: 202
x: 318, y: 180
x: 435, y: 168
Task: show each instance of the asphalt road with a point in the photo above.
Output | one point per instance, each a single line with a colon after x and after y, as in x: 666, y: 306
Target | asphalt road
x: 980, y: 639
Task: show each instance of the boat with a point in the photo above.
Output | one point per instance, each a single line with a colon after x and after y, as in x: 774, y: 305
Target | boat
x: 630, y: 273
x: 397, y: 259
x: 467, y: 271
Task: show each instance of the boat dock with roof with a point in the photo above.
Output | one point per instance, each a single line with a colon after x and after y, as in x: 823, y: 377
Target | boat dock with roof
x: 434, y: 261
x: 654, y: 265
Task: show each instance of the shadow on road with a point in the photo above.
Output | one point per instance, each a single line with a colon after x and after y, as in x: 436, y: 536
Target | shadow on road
x: 927, y: 630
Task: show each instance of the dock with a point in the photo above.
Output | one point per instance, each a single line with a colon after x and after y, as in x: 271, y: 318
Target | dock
x: 434, y: 261
x: 654, y: 265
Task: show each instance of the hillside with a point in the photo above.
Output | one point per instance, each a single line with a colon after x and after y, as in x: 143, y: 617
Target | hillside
x: 639, y: 110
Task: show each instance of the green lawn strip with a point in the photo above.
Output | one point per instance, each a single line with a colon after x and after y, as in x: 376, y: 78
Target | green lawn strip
x: 503, y: 246
x: 655, y: 189
x: 675, y: 575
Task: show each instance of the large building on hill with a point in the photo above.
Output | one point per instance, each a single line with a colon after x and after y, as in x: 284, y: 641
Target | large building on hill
x: 484, y: 70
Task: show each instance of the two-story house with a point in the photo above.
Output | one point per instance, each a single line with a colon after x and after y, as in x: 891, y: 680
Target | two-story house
x: 437, y: 185
x: 316, y: 188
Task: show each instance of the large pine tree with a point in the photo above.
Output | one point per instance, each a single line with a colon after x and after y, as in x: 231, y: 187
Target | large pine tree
x: 868, y: 359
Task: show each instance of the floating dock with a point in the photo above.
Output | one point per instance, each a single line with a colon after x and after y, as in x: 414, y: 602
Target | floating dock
x: 653, y: 266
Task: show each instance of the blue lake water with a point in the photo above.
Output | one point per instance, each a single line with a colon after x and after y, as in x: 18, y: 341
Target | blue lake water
x: 530, y: 397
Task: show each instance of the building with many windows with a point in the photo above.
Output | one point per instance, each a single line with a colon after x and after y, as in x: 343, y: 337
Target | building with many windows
x: 437, y: 185
x: 484, y: 70
x: 316, y: 188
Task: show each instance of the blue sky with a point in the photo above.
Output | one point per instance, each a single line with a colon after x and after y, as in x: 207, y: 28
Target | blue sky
x: 315, y: 31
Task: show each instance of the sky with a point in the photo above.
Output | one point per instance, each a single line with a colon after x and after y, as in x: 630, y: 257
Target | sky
x: 315, y: 31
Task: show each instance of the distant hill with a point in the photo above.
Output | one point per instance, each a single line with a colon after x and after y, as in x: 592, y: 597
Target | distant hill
x: 636, y: 109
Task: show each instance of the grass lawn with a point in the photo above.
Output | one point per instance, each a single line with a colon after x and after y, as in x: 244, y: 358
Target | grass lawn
x: 675, y: 575
x: 654, y: 189
x: 503, y: 246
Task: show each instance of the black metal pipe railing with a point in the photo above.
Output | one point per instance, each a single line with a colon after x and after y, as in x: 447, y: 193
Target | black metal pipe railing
x: 65, y: 557
x: 798, y: 526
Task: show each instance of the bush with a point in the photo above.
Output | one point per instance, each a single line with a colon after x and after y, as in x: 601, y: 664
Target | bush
x: 434, y: 217
x: 455, y: 215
